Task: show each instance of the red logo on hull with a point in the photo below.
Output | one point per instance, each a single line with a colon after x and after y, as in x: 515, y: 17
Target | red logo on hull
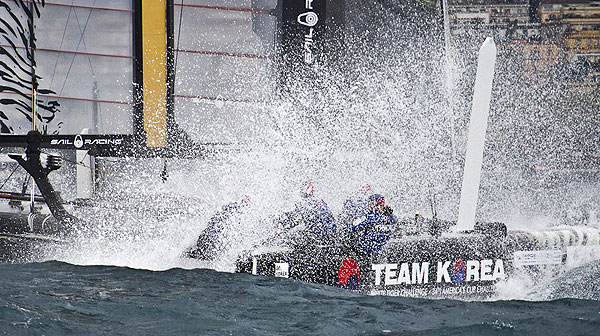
x: 348, y: 268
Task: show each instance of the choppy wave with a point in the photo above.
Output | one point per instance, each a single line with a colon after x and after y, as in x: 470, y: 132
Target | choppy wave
x: 55, y: 298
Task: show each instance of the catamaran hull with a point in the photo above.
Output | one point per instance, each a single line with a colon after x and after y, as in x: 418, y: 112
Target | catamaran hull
x: 26, y: 237
x: 26, y: 223
x: 463, y: 266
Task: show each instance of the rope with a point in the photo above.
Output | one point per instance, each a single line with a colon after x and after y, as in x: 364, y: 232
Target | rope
x: 61, y: 45
x: 178, y: 40
x: 78, y: 163
x: 9, y: 176
x: 77, y: 48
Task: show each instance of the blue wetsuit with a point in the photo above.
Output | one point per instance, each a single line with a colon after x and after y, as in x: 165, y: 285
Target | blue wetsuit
x: 210, y: 241
x: 353, y: 208
x: 215, y: 226
x: 376, y: 231
x: 315, y: 214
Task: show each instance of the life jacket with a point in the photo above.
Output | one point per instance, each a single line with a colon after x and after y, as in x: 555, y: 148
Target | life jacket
x: 216, y: 224
x: 374, y: 231
x: 352, y: 209
x: 316, y: 215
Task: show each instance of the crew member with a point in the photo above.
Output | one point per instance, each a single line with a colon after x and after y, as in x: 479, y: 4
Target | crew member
x: 311, y: 211
x: 211, y: 241
x: 355, y: 206
x: 376, y: 227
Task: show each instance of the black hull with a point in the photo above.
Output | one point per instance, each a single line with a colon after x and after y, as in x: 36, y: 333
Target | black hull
x: 462, y: 266
x: 27, y: 223
x: 26, y: 238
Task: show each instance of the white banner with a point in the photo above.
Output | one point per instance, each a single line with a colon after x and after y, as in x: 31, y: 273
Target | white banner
x: 543, y: 257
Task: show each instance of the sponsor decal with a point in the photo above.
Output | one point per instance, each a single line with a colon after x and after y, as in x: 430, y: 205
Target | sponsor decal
x: 404, y: 275
x: 418, y: 272
x: 308, y: 19
x: 60, y: 142
x: 308, y: 42
x: 460, y: 290
x: 79, y: 142
x: 543, y: 257
x: 458, y: 271
x: 348, y: 268
x: 282, y: 270
x: 478, y: 289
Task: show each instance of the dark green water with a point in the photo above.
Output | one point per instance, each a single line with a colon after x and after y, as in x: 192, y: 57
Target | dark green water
x: 55, y: 298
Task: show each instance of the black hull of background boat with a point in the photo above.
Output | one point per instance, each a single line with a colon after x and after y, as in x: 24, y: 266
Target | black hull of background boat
x: 26, y: 247
x: 25, y: 238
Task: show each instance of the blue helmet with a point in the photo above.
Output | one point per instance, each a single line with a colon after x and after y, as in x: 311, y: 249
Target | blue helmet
x: 377, y: 199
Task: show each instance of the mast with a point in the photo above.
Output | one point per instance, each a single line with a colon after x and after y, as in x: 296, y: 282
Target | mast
x: 449, y: 83
x: 170, y: 30
x: 34, y: 90
x: 138, y: 71
x: 34, y: 83
x: 154, y: 63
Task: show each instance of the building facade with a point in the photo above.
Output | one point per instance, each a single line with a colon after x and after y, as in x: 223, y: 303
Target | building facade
x: 557, y: 39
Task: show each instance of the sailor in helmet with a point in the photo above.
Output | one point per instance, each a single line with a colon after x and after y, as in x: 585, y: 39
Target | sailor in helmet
x: 355, y: 206
x: 376, y: 227
x: 312, y: 212
x: 211, y: 242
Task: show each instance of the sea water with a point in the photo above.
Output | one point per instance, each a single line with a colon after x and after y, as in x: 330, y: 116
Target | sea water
x: 58, y: 298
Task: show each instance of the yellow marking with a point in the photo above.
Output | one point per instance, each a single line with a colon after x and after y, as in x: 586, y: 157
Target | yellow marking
x: 154, y: 35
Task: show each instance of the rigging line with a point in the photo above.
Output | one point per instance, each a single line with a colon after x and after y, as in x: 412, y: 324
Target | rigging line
x: 222, y: 8
x: 70, y: 51
x: 75, y: 98
x: 87, y: 153
x: 70, y: 161
x: 61, y: 44
x: 85, y: 156
x: 85, y: 7
x: 25, y: 182
x: 178, y: 40
x: 83, y: 39
x: 9, y: 176
x: 77, y: 48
